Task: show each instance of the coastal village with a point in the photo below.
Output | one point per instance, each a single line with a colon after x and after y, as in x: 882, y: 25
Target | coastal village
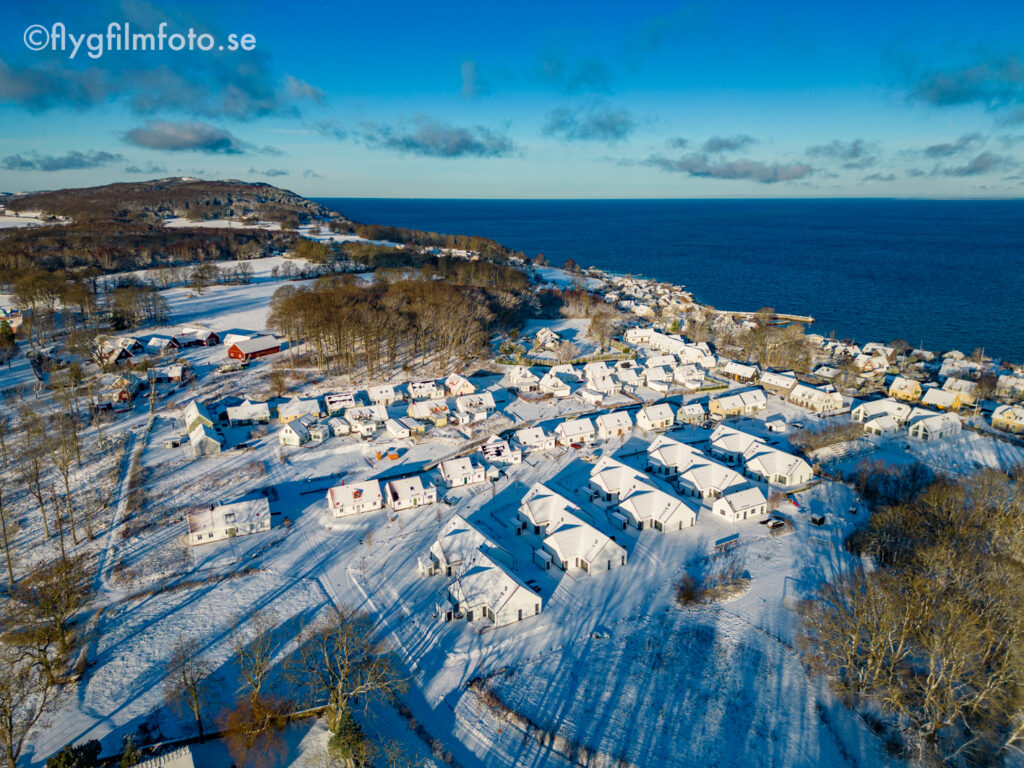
x: 520, y: 522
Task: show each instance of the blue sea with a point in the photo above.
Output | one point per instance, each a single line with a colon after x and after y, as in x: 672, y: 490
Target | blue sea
x: 945, y: 274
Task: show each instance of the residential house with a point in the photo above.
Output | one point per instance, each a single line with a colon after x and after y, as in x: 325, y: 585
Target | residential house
x: 967, y: 390
x: 457, y: 540
x: 248, y: 412
x: 457, y: 385
x: 486, y: 590
x: 941, y: 399
x: 196, y: 414
x: 366, y: 420
x: 539, y: 507
x: 551, y: 384
x: 547, y: 338
x: 905, y: 389
x: 461, y: 471
x: 770, y: 465
x: 415, y: 427
x: 318, y: 432
x: 298, y: 407
x: 523, y: 379
x: 927, y: 425
x: 730, y: 445
x: 1010, y: 386
x: 498, y: 451
x: 355, y: 498
x: 227, y: 520
x: 741, y: 504
x: 432, y: 411
x: 705, y: 478
x: 382, y: 394
x: 396, y: 429
x: 645, y: 506
x: 610, y: 479
x: 655, y: 417
x: 689, y: 375
x: 409, y: 492
x: 691, y: 413
x: 1009, y: 418
x: 339, y: 427
x: 614, y: 424
x: 534, y: 439
x: 738, y: 403
x: 475, y: 407
x: 338, y: 402
x: 739, y: 371
x: 425, y: 390
x: 295, y: 432
x: 580, y: 431
x: 881, y: 417
x: 572, y: 542
x: 205, y: 440
x: 667, y: 457
x: 780, y: 384
x: 815, y: 399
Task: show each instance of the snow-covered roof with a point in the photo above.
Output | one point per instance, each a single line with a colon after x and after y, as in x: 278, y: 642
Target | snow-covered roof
x: 237, y: 513
x: 346, y: 495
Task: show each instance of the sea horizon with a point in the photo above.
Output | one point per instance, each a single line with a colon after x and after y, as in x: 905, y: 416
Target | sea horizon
x: 916, y: 269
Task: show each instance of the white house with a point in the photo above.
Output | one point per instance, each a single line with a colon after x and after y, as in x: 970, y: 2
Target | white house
x: 572, y: 542
x: 339, y: 427
x: 771, y: 465
x: 367, y: 419
x: 461, y: 471
x: 248, y: 412
x: 778, y: 383
x: 355, y: 498
x: 690, y: 376
x: 707, y: 479
x: 195, y: 414
x: 523, y: 379
x: 227, y: 520
x: 486, y: 590
x: 740, y: 504
x: 534, y: 439
x: 382, y: 394
x: 498, y: 451
x: 547, y: 338
x: 455, y: 543
x: 457, y: 385
x: 942, y: 399
x: 730, y: 444
x: 427, y: 389
x: 551, y: 384
x: 739, y: 371
x: 396, y: 429
x: 646, y: 506
x: 887, y: 406
x: 318, y: 432
x: 409, y: 492
x: 340, y: 401
x: 579, y: 431
x: 610, y: 479
x: 927, y: 425
x: 205, y: 441
x: 655, y: 417
x: 614, y: 424
x: 667, y: 457
x: 295, y: 432
x: 298, y: 407
x: 475, y: 407
x: 539, y: 506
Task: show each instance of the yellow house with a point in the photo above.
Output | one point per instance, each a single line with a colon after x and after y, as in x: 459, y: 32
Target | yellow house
x: 1009, y: 418
x: 905, y: 389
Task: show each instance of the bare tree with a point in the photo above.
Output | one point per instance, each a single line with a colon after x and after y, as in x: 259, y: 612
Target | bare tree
x: 6, y: 540
x: 337, y: 659
x: 255, y: 653
x: 27, y: 696
x: 186, y: 686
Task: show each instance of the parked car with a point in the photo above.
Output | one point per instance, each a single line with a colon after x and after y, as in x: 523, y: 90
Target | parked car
x: 774, y: 523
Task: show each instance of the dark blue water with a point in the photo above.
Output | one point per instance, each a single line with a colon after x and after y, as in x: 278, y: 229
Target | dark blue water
x: 946, y: 274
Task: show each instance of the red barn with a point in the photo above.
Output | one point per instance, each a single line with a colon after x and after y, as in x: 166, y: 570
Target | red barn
x: 250, y: 349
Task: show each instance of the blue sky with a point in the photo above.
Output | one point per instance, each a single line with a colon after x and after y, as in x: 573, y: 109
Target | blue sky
x: 527, y: 99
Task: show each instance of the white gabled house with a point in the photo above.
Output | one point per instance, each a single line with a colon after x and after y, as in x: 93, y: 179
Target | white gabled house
x: 196, y: 414
x: 523, y: 379
x: 455, y: 543
x: 498, y: 451
x: 705, y: 478
x: 534, y: 439
x: 778, y: 383
x: 645, y: 506
x: 615, y: 424
x: 409, y: 492
x: 927, y: 425
x: 366, y: 420
x: 655, y: 417
x: 205, y: 441
x: 486, y: 590
x: 690, y: 376
x: 770, y: 465
x: 610, y: 479
x: 872, y: 409
x: 461, y: 471
x: 355, y: 498
x: 667, y: 457
x: 396, y: 429
x: 295, y: 432
x: 538, y: 507
x: 941, y: 399
x: 740, y: 504
x: 815, y: 399
x: 551, y: 384
x: 340, y: 401
x: 475, y: 407
x: 580, y: 431
x: 573, y: 543
x: 425, y: 390
x: 382, y: 394
x: 339, y: 427
x: 730, y: 445
x: 227, y: 520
